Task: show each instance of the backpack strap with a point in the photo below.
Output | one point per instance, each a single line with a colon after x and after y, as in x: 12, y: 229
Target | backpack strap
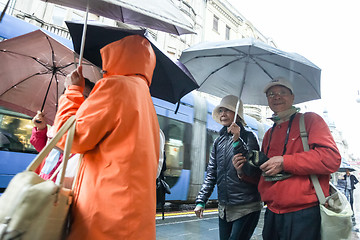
x: 314, y: 178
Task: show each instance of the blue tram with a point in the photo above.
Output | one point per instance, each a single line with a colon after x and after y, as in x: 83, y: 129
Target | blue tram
x: 189, y: 134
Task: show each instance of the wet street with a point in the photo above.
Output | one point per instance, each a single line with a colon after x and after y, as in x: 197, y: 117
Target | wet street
x: 185, y: 225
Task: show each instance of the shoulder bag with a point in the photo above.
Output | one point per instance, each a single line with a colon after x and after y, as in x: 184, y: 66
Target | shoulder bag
x: 335, y: 210
x: 34, y: 208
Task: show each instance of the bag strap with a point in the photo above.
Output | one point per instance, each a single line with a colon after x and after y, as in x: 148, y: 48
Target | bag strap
x: 76, y: 174
x: 77, y: 170
x: 314, y: 178
x: 69, y: 125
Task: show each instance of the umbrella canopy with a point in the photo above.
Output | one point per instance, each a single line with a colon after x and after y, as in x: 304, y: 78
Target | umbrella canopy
x: 171, y: 79
x: 344, y: 165
x: 32, y: 73
x: 243, y: 67
x: 160, y: 15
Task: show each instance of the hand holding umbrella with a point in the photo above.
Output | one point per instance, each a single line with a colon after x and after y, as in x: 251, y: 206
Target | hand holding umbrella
x: 39, y: 120
x: 234, y: 129
x: 75, y: 78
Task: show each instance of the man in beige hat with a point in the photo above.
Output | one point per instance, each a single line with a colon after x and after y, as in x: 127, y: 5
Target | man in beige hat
x: 239, y: 201
x: 292, y: 205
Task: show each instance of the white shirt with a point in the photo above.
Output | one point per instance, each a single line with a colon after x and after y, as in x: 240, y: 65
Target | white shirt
x: 161, y: 155
x: 348, y: 184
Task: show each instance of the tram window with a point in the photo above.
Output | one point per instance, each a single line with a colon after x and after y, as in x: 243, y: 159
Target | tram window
x: 211, y: 136
x: 177, y: 145
x: 15, y: 133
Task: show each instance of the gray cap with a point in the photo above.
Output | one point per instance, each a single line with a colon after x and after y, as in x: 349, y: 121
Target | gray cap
x: 279, y: 81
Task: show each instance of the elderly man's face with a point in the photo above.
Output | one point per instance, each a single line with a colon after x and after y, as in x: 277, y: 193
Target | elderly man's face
x: 279, y: 98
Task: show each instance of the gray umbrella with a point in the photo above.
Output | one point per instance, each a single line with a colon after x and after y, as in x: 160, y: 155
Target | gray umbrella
x: 160, y: 15
x: 243, y: 67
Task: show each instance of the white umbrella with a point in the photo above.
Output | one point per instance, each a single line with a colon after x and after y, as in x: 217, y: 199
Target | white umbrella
x: 243, y: 67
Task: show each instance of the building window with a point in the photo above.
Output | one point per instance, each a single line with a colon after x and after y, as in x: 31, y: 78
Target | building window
x: 216, y: 23
x: 227, y: 33
x: 76, y: 16
x: 58, y: 15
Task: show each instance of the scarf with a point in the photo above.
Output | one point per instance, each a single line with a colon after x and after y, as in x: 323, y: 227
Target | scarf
x: 284, y: 115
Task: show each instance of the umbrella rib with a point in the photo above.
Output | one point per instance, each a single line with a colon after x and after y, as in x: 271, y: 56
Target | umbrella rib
x: 262, y: 68
x: 59, y: 69
x: 53, y: 69
x: 215, y: 55
x: 47, y: 91
x: 218, y: 69
x: 23, y: 55
x: 57, y: 93
x: 20, y: 82
x: 277, y: 65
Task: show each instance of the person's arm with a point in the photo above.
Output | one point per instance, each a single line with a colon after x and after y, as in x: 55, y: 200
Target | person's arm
x: 323, y: 156
x: 94, y: 116
x: 355, y: 180
x: 38, y: 135
x: 38, y: 138
x: 210, y: 179
x: 208, y: 185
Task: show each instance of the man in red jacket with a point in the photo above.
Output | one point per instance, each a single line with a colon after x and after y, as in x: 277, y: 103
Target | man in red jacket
x: 292, y: 205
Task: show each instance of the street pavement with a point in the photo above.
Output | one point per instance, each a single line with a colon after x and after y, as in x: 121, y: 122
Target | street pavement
x: 186, y: 226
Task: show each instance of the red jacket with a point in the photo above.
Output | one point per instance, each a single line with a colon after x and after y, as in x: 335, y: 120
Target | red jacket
x: 323, y: 158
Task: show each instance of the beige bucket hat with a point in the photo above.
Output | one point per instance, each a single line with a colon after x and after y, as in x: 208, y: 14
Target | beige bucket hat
x: 229, y: 102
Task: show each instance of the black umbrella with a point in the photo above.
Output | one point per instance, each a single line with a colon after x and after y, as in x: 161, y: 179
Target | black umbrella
x: 171, y: 79
x: 345, y: 166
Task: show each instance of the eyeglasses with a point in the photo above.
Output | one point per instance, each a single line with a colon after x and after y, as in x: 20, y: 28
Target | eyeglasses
x: 280, y: 94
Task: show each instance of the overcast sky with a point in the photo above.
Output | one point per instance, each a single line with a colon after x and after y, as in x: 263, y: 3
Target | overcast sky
x: 328, y: 34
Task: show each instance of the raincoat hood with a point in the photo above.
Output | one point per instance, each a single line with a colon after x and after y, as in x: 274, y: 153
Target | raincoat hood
x: 132, y: 55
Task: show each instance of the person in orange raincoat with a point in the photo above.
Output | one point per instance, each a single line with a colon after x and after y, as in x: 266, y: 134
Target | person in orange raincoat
x: 117, y: 130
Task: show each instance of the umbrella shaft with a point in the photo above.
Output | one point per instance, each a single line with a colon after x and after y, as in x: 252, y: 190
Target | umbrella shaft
x: 236, y: 110
x: 84, y: 34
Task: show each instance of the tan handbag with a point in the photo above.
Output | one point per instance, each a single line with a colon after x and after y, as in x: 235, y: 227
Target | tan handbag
x: 33, y: 208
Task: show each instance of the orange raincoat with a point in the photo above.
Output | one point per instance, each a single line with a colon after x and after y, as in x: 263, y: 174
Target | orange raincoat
x: 117, y: 130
